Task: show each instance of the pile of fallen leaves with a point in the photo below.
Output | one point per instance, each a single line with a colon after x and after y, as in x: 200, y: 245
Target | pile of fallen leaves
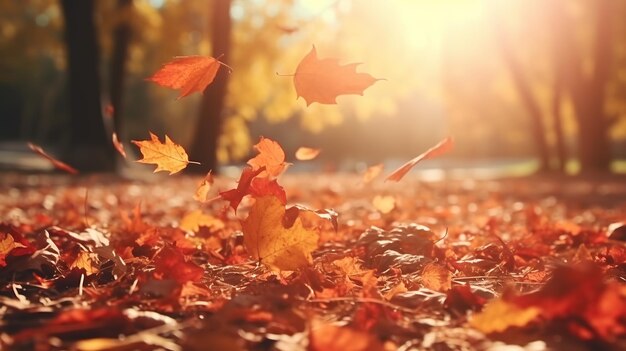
x: 307, y: 262
x: 312, y: 262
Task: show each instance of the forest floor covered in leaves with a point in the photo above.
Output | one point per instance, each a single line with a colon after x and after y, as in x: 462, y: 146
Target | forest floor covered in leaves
x: 102, y: 263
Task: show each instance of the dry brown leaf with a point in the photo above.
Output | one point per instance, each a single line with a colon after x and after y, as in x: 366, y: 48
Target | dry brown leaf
x: 436, y: 277
x: 268, y: 241
x: 306, y: 153
x: 168, y: 156
x: 397, y: 289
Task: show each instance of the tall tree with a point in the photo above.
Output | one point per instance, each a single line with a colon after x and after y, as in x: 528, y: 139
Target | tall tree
x: 121, y: 39
x: 209, y: 123
x: 587, y: 91
x: 89, y: 148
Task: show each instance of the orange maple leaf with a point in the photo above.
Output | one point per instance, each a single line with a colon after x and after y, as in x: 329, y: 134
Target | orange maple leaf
x: 306, y: 153
x: 189, y: 74
x: 168, y: 156
x: 441, y: 148
x: 271, y: 156
x: 323, y: 80
x: 56, y: 163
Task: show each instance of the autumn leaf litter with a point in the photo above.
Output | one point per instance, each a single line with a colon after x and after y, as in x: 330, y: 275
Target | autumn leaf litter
x: 430, y: 273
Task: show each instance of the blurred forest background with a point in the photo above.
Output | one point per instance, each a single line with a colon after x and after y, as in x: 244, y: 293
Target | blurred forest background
x: 533, y: 80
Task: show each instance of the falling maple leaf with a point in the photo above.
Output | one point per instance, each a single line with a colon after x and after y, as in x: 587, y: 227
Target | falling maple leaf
x: 168, y: 156
x: 202, y: 193
x: 190, y: 74
x: 323, y: 80
x: 271, y: 156
x: 56, y: 163
x: 268, y: 241
x: 441, y: 148
x: 234, y: 196
x: 118, y: 146
x: 306, y: 153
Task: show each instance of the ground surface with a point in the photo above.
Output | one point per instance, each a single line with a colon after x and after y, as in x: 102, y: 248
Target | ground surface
x: 100, y: 263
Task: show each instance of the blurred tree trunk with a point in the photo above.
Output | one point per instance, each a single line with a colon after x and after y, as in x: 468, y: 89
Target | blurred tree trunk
x: 588, y: 93
x: 209, y: 125
x: 557, y: 120
x: 528, y: 99
x: 89, y: 148
x: 589, y: 97
x: 121, y: 40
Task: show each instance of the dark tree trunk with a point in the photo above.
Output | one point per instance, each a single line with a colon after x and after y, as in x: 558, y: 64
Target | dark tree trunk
x: 89, y: 148
x: 588, y: 93
x: 557, y: 122
x: 594, y: 147
x: 528, y: 99
x: 209, y: 125
x: 121, y: 39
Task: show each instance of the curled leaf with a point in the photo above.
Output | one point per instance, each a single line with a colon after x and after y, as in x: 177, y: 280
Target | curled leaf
x: 441, y: 148
x: 56, y: 163
x: 306, y: 153
x: 202, y: 193
x: 118, y: 146
x: 189, y: 74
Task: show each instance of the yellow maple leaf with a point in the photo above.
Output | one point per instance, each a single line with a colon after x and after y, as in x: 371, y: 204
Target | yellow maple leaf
x: 196, y: 219
x: 87, y: 261
x: 7, y: 244
x: 267, y: 240
x: 499, y: 315
x: 168, y: 156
